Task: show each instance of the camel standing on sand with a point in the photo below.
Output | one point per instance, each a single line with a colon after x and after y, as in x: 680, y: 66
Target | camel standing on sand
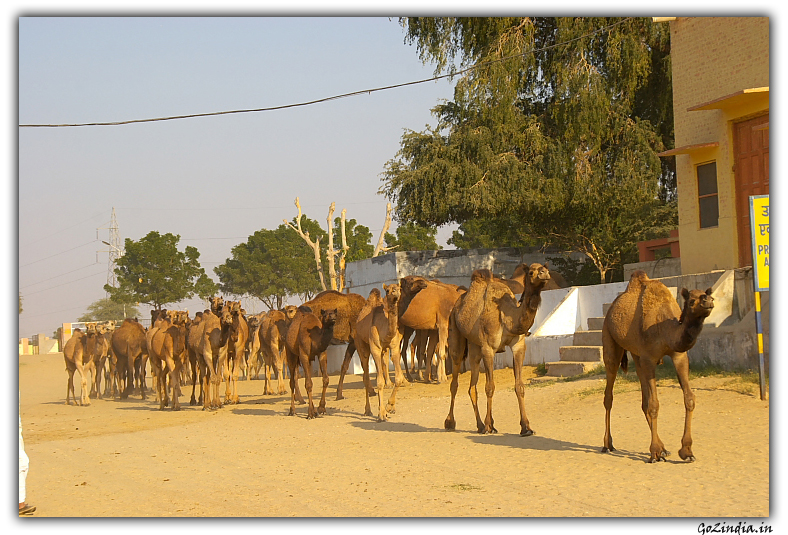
x: 646, y: 321
x: 96, y: 348
x: 129, y: 346
x: 193, y: 337
x: 232, y: 315
x: 377, y: 333
x: 428, y: 308
x: 208, y: 341
x: 307, y: 337
x: 347, y: 306
x: 487, y: 319
x: 78, y: 359
x: 168, y: 355
x: 272, y: 332
x: 254, y: 361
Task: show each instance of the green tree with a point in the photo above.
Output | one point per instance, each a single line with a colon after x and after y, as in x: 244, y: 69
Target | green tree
x: 272, y: 266
x: 107, y: 309
x: 555, y: 130
x: 153, y: 271
x: 413, y: 237
x: 358, y: 238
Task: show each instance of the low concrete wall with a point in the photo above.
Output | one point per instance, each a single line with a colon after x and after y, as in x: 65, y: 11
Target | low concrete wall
x: 655, y: 269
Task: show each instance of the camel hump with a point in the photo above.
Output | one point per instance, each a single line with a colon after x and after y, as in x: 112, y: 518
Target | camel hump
x: 481, y: 275
x: 637, y: 280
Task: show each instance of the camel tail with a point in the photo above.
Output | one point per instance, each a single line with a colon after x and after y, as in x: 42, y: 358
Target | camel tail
x: 624, y: 362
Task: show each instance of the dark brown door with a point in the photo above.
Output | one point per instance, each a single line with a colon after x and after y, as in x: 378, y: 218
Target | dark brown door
x: 751, y: 143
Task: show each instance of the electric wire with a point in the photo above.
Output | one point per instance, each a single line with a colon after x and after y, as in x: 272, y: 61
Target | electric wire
x: 328, y: 99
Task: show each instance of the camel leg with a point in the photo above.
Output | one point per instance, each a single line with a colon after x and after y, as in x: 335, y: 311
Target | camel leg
x: 427, y: 352
x: 323, y: 360
x: 612, y: 353
x: 648, y: 386
x: 488, y: 354
x: 681, y: 364
x: 174, y: 368
x: 351, y: 348
x: 406, y: 334
x: 363, y: 355
x: 238, y: 371
x: 305, y: 364
x: 518, y: 352
x: 457, y: 345
x: 292, y: 364
x: 143, y: 371
x: 399, y: 377
x: 70, y: 386
x: 474, y: 359
x: 83, y: 395
x: 193, y: 364
x: 443, y: 336
x: 280, y: 371
x: 381, y: 383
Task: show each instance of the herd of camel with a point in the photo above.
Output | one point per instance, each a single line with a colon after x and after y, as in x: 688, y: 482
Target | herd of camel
x: 451, y: 322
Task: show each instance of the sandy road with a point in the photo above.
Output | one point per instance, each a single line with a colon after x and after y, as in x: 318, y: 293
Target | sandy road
x: 125, y: 458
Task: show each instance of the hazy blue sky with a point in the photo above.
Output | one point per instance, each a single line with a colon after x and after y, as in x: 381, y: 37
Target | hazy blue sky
x: 215, y: 180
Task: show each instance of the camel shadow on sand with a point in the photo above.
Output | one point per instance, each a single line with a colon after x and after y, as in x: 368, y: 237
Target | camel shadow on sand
x: 540, y: 443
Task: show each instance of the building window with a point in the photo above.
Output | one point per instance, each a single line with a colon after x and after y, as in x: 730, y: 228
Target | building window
x: 708, y: 207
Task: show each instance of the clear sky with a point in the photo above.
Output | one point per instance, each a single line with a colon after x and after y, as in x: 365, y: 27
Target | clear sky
x: 214, y: 180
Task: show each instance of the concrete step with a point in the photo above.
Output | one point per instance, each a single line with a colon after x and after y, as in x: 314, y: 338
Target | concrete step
x: 568, y: 369
x: 587, y: 338
x: 595, y: 324
x: 605, y: 308
x: 580, y: 354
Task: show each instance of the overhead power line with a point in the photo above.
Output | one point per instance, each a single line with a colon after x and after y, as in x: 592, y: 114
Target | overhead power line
x: 325, y: 99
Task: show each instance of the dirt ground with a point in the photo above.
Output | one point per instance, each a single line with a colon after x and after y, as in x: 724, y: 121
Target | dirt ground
x: 126, y: 458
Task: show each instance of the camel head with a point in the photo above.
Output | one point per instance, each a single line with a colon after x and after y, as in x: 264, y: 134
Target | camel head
x: 225, y: 316
x: 538, y: 274
x: 328, y: 317
x: 697, y: 304
x: 394, y: 291
x: 290, y: 311
x: 412, y: 285
x: 216, y: 303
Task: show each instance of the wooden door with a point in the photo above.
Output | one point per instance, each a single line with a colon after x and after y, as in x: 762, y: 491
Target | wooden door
x: 751, y: 146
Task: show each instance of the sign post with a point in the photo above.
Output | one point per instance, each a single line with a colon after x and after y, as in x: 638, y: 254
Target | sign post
x: 759, y: 226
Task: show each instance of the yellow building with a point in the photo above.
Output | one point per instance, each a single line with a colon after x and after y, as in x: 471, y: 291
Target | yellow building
x: 720, y: 71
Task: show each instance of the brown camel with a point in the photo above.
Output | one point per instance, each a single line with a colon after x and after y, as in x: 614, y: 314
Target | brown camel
x: 104, y: 364
x: 646, y: 321
x: 238, y: 334
x: 486, y: 320
x: 194, y: 333
x: 254, y: 360
x: 208, y: 340
x: 78, y: 359
x: 272, y: 332
x: 167, y: 352
x: 96, y: 348
x: 376, y: 334
x: 427, y: 308
x: 307, y: 337
x: 347, y: 306
x: 130, y: 349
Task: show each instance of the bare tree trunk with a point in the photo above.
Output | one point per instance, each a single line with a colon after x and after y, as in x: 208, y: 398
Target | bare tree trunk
x: 345, y: 248
x: 330, y: 252
x: 379, y: 248
x: 315, y: 245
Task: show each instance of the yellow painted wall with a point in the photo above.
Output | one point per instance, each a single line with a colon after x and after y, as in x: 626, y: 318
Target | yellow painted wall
x: 713, y: 57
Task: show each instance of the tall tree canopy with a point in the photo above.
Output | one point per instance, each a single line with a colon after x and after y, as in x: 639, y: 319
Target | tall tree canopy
x: 554, y: 130
x: 413, y: 237
x: 274, y: 265
x: 153, y: 271
x: 107, y: 309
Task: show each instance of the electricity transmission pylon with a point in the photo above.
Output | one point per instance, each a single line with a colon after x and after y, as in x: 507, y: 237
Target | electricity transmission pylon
x: 115, y: 250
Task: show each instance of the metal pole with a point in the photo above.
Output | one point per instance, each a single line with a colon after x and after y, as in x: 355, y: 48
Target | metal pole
x: 759, y: 331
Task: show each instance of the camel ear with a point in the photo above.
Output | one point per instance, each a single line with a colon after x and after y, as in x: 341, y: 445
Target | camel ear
x: 546, y: 266
x: 685, y: 293
x: 708, y: 291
